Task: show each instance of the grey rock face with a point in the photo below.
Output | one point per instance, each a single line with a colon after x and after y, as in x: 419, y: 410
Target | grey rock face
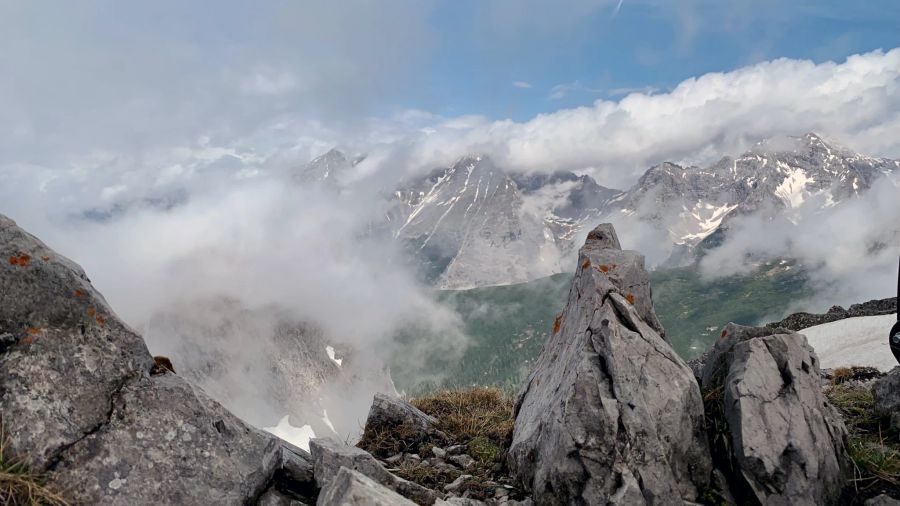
x: 352, y: 488
x: 330, y: 456
x: 82, y: 407
x: 460, y: 216
x: 887, y: 396
x: 788, y: 443
x: 882, y: 500
x: 165, y: 439
x: 610, y: 414
x: 72, y: 354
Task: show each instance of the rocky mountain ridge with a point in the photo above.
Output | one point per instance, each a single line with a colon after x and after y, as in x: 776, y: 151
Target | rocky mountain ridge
x: 476, y: 224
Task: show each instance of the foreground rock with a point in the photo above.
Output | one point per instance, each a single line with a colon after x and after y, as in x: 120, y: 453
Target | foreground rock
x: 352, y: 488
x: 886, y: 392
x: 787, y: 443
x: 80, y: 405
x: 390, y: 414
x: 330, y: 456
x: 610, y: 414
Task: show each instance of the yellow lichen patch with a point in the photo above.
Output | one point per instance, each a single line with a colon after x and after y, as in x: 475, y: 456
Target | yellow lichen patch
x: 630, y: 298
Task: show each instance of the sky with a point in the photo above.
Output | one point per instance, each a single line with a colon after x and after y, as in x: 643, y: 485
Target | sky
x: 175, y: 125
x: 99, y: 77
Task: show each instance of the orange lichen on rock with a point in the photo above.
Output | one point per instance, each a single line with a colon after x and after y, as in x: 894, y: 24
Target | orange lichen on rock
x: 586, y: 263
x: 603, y: 268
x: 557, y: 323
x: 23, y: 260
x: 91, y: 312
x: 630, y: 298
x: 78, y: 293
x: 27, y: 339
x: 100, y: 320
x: 33, y: 331
x: 45, y: 258
x: 14, y: 260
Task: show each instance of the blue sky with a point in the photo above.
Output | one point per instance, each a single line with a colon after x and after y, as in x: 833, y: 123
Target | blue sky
x: 131, y: 79
x: 609, y: 51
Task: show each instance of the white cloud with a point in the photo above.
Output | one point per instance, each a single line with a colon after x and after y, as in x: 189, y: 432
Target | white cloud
x: 563, y: 90
x: 856, y: 102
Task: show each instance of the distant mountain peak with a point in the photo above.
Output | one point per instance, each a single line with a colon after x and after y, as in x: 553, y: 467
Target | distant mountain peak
x: 328, y: 167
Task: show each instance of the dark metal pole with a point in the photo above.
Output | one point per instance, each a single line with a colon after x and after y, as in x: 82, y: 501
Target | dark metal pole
x: 894, y: 337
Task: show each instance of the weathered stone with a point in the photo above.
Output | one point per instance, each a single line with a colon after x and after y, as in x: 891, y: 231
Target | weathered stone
x: 463, y: 461
x: 610, y: 414
x: 352, y: 488
x: 459, y: 501
x: 273, y: 497
x: 887, y: 396
x: 788, y: 443
x: 882, y: 500
x: 392, y: 414
x: 85, y: 411
x: 458, y: 483
x: 438, y: 452
x: 161, y: 445
x: 456, y: 449
x: 71, y: 356
x: 329, y: 456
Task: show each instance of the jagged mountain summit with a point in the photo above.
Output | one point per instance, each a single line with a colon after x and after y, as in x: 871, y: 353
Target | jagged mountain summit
x: 775, y: 177
x: 476, y: 224
x: 329, y: 168
x: 473, y: 224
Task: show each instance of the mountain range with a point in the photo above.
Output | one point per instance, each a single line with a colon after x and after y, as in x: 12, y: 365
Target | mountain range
x: 475, y: 224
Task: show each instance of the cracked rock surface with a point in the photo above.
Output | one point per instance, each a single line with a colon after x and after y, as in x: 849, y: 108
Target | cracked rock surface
x: 610, y: 414
x: 79, y: 403
x: 788, y: 444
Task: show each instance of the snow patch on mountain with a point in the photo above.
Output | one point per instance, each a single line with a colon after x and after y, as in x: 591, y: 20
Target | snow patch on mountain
x: 860, y: 341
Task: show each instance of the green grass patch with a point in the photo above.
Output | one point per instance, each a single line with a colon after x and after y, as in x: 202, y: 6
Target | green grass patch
x: 873, y: 447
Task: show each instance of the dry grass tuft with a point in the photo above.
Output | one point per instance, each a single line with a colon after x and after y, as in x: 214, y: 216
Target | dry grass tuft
x: 874, y: 450
x: 19, y: 486
x: 479, y: 418
x: 465, y: 415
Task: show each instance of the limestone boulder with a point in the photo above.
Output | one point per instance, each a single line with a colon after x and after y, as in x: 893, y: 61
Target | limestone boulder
x: 352, y: 488
x: 81, y: 406
x: 329, y: 456
x: 777, y: 439
x: 886, y: 392
x: 610, y: 414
